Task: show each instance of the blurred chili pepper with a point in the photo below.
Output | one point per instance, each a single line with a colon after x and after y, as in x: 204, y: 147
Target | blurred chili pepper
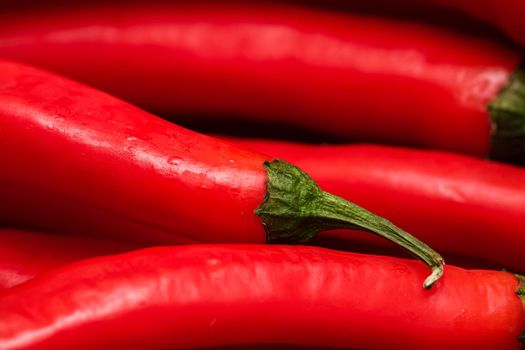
x: 358, y: 77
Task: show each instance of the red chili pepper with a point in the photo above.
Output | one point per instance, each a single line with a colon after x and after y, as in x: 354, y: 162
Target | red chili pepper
x: 359, y: 77
x: 195, y: 296
x: 23, y: 255
x: 457, y: 204
x: 69, y: 143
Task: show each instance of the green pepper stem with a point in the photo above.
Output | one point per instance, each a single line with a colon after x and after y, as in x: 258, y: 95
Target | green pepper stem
x: 295, y: 209
x: 507, y: 114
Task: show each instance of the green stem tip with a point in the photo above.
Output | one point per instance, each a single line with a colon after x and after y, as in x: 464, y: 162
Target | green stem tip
x: 507, y: 114
x: 295, y: 209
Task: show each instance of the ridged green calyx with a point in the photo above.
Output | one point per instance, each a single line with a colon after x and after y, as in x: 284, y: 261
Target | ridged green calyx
x: 295, y: 209
x: 507, y: 113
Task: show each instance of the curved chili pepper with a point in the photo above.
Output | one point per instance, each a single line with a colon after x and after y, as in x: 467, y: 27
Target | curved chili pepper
x: 24, y: 254
x: 361, y: 78
x: 447, y: 200
x: 205, y: 295
x: 60, y: 139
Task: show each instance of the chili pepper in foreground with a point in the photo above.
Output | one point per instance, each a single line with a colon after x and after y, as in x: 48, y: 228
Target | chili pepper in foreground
x: 358, y: 77
x: 60, y: 138
x: 457, y: 204
x: 205, y: 295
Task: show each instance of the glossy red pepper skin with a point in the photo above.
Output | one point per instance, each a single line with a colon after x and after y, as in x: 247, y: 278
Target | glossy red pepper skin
x: 457, y: 204
x: 205, y: 295
x: 25, y: 254
x: 65, y: 143
x: 361, y: 78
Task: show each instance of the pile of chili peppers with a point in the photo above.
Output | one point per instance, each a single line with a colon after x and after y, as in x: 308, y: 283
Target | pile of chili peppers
x: 336, y: 133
